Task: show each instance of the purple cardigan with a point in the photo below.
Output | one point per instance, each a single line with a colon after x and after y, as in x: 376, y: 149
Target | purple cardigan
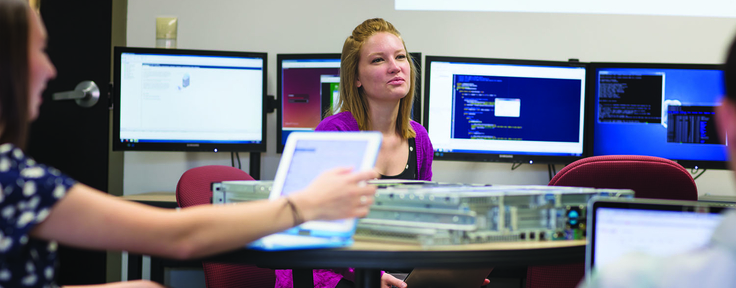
x: 344, y: 121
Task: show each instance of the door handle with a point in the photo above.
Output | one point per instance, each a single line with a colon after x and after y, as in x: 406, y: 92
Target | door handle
x: 86, y: 94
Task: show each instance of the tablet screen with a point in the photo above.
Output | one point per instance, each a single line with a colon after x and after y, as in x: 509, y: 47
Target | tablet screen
x: 312, y: 157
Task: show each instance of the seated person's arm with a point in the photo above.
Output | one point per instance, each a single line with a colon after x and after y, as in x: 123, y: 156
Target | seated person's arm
x: 88, y: 218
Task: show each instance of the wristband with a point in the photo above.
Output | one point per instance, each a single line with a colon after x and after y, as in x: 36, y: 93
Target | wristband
x: 295, y: 212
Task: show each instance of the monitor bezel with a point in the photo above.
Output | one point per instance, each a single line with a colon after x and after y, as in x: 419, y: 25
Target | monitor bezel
x: 417, y: 107
x: 590, y: 105
x: 416, y: 114
x: 504, y: 157
x: 188, y: 146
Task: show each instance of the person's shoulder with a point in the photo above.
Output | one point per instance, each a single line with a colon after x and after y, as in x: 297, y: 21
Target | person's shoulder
x: 419, y: 129
x: 11, y: 156
x: 343, y: 121
x: 344, y: 116
x: 9, y: 148
x: 16, y: 164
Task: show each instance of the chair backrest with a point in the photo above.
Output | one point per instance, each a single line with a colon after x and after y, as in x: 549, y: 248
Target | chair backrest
x: 194, y: 188
x: 648, y: 176
x: 194, y: 185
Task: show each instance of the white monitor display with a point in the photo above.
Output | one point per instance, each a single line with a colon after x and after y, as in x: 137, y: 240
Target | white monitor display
x: 189, y: 100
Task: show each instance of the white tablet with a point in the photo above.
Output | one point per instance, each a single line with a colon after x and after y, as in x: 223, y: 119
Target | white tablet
x: 309, y: 154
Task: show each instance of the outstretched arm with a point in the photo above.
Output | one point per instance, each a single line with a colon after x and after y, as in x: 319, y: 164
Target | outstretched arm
x: 91, y: 219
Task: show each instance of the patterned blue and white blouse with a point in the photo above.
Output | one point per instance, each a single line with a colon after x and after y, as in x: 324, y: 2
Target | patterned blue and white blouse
x: 28, y: 191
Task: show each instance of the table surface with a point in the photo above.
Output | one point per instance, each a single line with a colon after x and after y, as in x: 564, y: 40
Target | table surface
x: 718, y: 198
x: 152, y: 196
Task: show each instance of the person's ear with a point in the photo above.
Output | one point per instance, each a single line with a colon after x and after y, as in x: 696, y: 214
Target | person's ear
x: 357, y: 83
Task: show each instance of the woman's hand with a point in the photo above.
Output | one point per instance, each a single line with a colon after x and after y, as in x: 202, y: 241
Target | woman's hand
x: 388, y: 281
x: 336, y: 194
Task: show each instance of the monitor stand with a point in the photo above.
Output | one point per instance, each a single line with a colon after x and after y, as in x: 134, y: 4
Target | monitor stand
x: 255, y: 165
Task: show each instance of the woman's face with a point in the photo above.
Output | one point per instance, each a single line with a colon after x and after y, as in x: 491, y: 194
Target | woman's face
x: 40, y: 69
x: 383, y: 69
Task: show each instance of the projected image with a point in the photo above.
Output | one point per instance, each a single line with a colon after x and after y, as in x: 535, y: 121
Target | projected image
x: 705, y: 8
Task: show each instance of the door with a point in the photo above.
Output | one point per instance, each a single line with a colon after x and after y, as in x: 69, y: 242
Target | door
x: 72, y: 138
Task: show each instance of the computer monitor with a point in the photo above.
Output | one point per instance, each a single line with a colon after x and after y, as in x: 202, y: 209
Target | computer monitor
x: 663, y: 110
x: 502, y: 110
x: 308, y: 85
x: 189, y: 100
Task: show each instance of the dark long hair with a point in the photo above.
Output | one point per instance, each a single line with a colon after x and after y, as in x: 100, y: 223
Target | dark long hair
x: 14, y: 26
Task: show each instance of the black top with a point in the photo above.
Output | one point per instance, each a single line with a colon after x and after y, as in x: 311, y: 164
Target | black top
x: 410, y: 170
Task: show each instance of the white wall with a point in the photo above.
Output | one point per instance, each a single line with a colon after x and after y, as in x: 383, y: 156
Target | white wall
x: 321, y: 26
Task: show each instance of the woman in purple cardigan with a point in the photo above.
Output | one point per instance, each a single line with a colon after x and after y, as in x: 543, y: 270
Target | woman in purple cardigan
x: 377, y: 84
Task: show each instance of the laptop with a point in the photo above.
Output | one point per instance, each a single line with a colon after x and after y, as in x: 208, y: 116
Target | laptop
x: 306, y: 155
x: 617, y: 227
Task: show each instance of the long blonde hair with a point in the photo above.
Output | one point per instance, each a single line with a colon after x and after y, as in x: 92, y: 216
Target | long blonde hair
x: 353, y: 98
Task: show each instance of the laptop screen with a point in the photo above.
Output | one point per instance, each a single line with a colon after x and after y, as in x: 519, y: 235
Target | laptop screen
x: 659, y: 230
x: 312, y: 157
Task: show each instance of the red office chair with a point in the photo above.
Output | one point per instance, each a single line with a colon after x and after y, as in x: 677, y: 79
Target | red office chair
x: 194, y: 189
x: 649, y: 177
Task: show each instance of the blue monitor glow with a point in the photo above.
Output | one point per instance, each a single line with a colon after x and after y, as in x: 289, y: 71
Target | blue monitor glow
x: 502, y: 110
x: 663, y: 110
x: 189, y: 100
x: 308, y: 86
